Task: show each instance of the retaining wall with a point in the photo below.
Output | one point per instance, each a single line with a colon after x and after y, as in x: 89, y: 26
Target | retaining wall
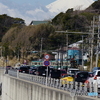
x: 19, y: 89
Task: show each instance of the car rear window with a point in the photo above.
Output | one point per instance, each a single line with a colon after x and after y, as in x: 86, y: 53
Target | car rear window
x: 98, y: 73
x: 73, y: 71
x: 62, y: 71
x: 23, y: 68
x: 82, y: 75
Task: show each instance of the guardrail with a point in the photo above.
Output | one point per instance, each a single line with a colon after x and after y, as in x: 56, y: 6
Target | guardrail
x: 75, y: 88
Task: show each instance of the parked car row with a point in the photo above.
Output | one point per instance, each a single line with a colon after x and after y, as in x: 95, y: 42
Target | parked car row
x: 42, y: 71
x: 83, y: 77
x: 72, y: 74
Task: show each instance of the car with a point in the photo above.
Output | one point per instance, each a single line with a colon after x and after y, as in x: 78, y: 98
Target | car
x: 66, y: 79
x: 91, y: 74
x: 58, y: 73
x: 96, y: 78
x: 81, y: 76
x: 33, y: 70
x: 89, y: 78
x: 95, y: 68
x: 42, y: 71
x: 72, y: 71
x: 8, y: 68
x: 24, y: 69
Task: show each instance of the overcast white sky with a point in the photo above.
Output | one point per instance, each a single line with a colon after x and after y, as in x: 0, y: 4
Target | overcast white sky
x: 28, y: 10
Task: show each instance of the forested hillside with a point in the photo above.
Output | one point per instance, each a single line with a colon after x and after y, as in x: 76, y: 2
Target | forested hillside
x: 6, y: 22
x: 19, y: 37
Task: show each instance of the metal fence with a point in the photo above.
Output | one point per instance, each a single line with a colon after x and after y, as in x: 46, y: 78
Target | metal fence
x: 75, y: 88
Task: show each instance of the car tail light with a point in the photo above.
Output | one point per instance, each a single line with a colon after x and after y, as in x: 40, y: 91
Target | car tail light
x: 86, y: 81
x: 75, y: 76
x: 30, y: 71
x: 62, y: 74
x: 37, y: 73
x: 20, y: 70
x: 95, y: 77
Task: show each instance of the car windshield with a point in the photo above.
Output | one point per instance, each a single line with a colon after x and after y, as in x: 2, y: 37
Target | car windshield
x: 23, y: 68
x: 98, y: 73
x: 82, y: 75
x: 90, y: 74
x: 68, y: 76
x: 73, y: 71
x: 62, y: 71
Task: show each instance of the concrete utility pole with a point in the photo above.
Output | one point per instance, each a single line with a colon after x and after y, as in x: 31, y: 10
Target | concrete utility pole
x: 41, y: 47
x: 82, y: 53
x: 92, y: 41
x: 98, y: 43
x: 1, y: 51
x: 67, y: 47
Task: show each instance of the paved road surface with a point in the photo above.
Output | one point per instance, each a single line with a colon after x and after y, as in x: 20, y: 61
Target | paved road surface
x: 0, y: 97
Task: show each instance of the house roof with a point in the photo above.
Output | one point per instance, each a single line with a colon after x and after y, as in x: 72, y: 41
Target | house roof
x: 38, y: 22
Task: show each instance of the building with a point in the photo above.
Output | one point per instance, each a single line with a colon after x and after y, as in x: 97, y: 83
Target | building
x: 38, y: 22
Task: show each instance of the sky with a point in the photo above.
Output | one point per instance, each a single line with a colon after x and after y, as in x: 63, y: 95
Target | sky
x: 42, y: 2
x: 28, y: 10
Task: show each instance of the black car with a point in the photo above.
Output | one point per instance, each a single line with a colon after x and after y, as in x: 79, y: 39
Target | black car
x: 8, y: 68
x: 57, y: 74
x: 33, y: 70
x: 81, y: 76
x: 42, y: 71
x: 24, y: 69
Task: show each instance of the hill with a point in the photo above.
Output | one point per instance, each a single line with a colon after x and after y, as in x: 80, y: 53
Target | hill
x: 95, y: 6
x: 19, y: 40
x: 6, y: 22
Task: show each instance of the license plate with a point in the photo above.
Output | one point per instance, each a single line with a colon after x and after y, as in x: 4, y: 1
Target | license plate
x: 23, y: 71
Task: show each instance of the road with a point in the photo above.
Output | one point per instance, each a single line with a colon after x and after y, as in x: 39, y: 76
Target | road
x: 0, y: 97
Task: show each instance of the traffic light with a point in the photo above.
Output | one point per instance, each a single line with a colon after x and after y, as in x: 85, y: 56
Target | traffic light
x: 73, y: 63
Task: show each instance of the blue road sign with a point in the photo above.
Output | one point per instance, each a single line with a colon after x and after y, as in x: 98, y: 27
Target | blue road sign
x: 46, y: 63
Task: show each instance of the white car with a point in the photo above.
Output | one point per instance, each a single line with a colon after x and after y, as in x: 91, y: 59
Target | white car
x: 96, y: 77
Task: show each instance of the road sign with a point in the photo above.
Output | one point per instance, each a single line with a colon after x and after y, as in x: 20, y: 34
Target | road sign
x: 46, y: 63
x: 47, y: 56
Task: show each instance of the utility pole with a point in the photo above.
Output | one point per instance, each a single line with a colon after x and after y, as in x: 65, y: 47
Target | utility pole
x: 98, y: 43
x: 67, y: 48
x: 41, y: 47
x: 82, y: 53
x: 1, y: 51
x: 92, y: 41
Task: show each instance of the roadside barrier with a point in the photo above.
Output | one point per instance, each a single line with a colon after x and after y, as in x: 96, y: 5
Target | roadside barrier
x: 75, y: 88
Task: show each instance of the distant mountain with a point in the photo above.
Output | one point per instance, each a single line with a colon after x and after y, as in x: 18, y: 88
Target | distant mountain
x: 63, y: 5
